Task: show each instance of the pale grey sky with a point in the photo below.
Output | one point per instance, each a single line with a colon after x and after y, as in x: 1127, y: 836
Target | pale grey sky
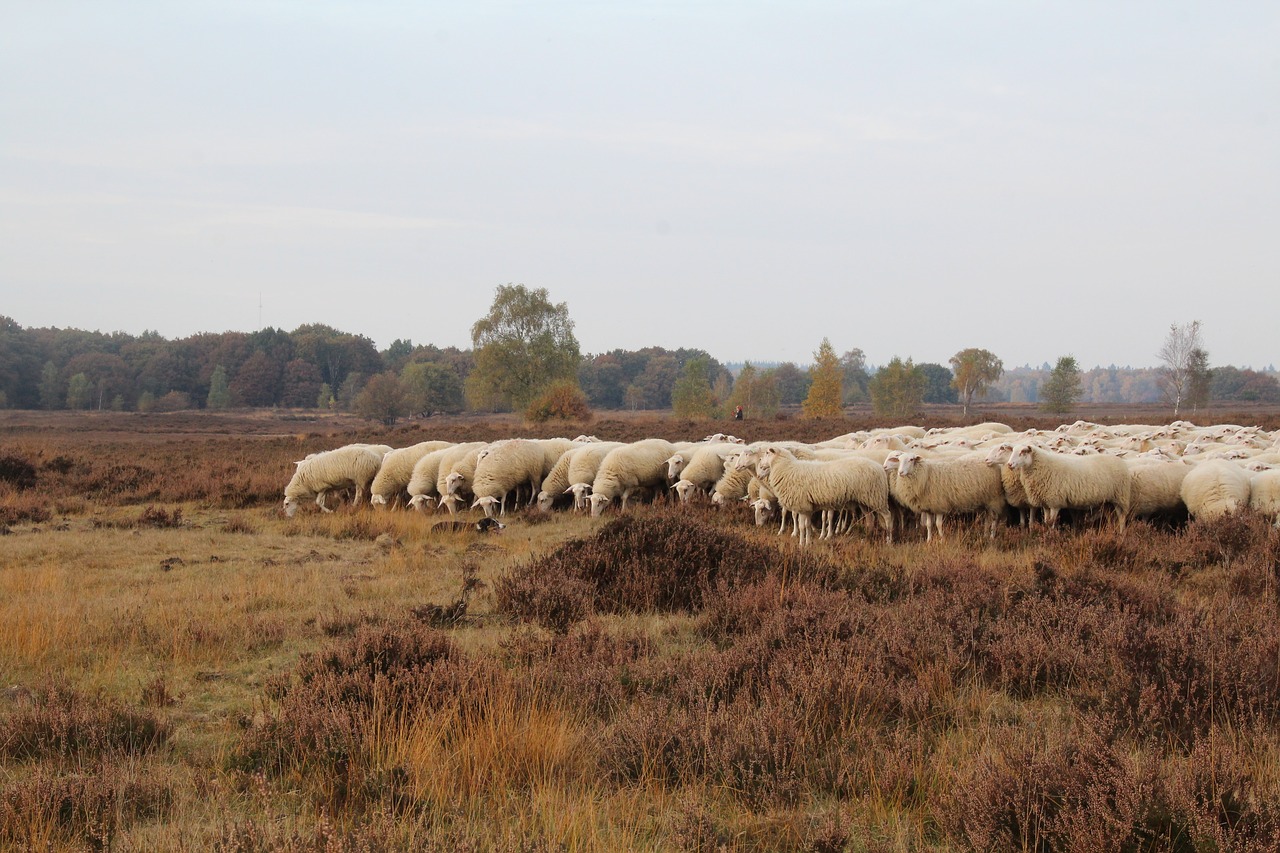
x: 911, y: 178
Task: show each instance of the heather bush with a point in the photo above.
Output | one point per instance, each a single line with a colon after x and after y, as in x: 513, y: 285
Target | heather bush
x: 62, y: 723
x: 17, y: 471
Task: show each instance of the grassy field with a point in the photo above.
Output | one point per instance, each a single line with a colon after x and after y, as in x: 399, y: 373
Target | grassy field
x: 182, y: 668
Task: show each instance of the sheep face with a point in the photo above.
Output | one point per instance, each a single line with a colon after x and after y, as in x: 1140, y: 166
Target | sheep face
x: 675, y: 465
x: 487, y: 503
x: 290, y: 507
x: 763, y: 510
x: 999, y: 454
x: 893, y: 460
x: 598, y: 504
x: 685, y: 490
x: 545, y: 500
x: 378, y: 500
x: 907, y: 463
x: 419, y: 502
x: 1021, y: 457
x: 453, y: 482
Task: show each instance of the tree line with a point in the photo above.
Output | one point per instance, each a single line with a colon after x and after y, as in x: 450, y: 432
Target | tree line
x: 525, y: 357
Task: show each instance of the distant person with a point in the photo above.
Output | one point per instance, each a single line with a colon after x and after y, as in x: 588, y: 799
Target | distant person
x: 737, y: 413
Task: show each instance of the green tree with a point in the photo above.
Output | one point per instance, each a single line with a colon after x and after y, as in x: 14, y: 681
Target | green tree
x: 898, y: 388
x: 1062, y: 390
x: 381, y: 399
x: 826, y: 384
x: 79, y: 392
x: 854, y: 364
x: 793, y: 383
x: 219, y: 390
x: 691, y: 397
x: 524, y: 344
x: 938, y: 388
x: 755, y: 391
x: 431, y: 387
x: 51, y: 394
x: 975, y: 370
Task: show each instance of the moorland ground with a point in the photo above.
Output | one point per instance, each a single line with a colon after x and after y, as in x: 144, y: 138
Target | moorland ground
x: 181, y: 667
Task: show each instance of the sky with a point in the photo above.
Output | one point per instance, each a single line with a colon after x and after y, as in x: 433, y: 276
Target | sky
x: 1035, y: 178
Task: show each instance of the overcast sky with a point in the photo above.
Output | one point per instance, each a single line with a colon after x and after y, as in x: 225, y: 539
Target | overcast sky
x: 910, y: 178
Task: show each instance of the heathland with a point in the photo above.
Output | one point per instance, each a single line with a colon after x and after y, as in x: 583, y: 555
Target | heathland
x: 184, y: 668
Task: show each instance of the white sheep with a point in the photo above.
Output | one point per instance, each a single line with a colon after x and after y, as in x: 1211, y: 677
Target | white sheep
x: 1215, y: 488
x: 804, y: 487
x: 461, y: 460
x: 556, y: 484
x: 423, y: 486
x: 393, y: 478
x: 1264, y: 493
x: 937, y: 487
x: 1054, y: 482
x: 504, y: 468
x: 1014, y: 495
x: 341, y: 468
x: 702, y: 469
x: 1156, y: 486
x: 625, y: 469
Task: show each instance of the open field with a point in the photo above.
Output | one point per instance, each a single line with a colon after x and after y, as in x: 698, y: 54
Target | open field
x: 183, y: 668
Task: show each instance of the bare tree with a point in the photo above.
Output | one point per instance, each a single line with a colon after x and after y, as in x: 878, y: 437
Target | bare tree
x: 1182, y: 355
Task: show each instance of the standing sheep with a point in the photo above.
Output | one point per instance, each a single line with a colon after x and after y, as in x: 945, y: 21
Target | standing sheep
x: 625, y: 469
x: 343, y: 468
x: 461, y: 458
x: 583, y: 468
x: 1054, y: 482
x: 510, y: 465
x: 392, y: 482
x: 1264, y: 493
x: 804, y: 487
x: 423, y: 485
x: 935, y: 488
x: 1215, y: 488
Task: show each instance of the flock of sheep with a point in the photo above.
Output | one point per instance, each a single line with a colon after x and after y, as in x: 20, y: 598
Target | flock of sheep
x: 889, y: 476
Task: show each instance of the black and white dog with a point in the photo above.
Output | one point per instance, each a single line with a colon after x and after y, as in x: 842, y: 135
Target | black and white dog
x: 484, y: 525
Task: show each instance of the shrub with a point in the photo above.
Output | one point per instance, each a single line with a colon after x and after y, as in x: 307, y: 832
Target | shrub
x: 562, y: 401
x: 17, y: 471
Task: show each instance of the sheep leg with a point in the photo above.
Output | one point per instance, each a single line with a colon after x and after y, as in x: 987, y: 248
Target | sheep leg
x: 937, y: 520
x: 886, y: 518
x: 320, y: 496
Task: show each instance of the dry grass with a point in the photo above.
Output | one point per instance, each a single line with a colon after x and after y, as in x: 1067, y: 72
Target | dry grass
x: 233, y: 680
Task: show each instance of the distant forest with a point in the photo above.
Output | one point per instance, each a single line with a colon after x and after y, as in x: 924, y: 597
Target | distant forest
x: 317, y: 366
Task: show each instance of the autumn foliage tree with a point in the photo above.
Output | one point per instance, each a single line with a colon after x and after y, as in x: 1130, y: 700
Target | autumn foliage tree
x: 973, y: 372
x: 826, y: 390
x: 524, y: 344
x: 381, y: 399
x: 692, y: 396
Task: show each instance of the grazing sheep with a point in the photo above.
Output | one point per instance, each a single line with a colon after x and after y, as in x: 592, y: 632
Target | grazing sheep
x: 505, y: 467
x: 392, y: 482
x: 733, y: 486
x: 701, y: 469
x: 628, y: 468
x: 804, y: 487
x: 937, y: 487
x: 583, y: 466
x: 556, y: 484
x: 1054, y: 482
x: 423, y: 485
x: 459, y: 459
x: 1264, y: 493
x: 342, y: 468
x: 1215, y: 488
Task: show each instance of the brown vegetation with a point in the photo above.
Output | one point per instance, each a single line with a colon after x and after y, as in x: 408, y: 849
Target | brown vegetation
x: 659, y: 680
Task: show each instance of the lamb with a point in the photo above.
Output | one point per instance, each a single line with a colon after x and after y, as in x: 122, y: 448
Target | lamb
x: 628, y: 468
x: 1054, y: 482
x: 582, y: 470
x: 508, y: 465
x: 393, y: 478
x: 804, y: 487
x: 342, y: 468
x: 935, y: 488
x: 1215, y: 488
x: 1264, y: 493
